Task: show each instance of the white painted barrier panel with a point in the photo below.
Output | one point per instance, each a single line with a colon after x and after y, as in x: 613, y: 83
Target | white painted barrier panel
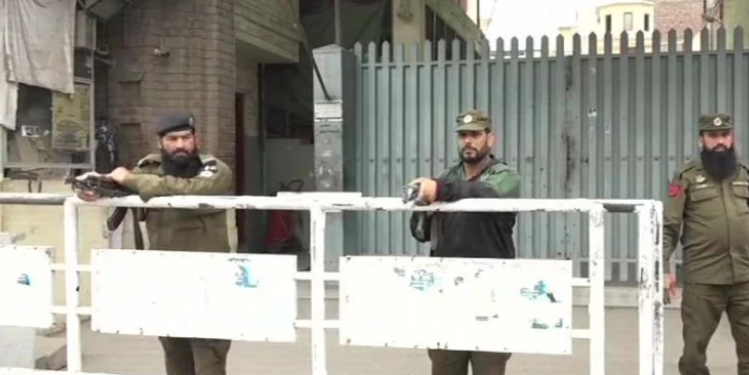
x: 26, y: 286
x: 188, y: 294
x: 518, y: 306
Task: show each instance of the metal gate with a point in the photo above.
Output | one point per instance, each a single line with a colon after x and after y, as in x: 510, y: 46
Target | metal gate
x: 587, y: 124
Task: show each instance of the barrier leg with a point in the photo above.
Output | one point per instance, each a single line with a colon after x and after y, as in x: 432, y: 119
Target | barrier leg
x: 650, y: 293
x: 597, y: 275
x: 659, y: 328
x: 73, y: 321
x: 317, y: 292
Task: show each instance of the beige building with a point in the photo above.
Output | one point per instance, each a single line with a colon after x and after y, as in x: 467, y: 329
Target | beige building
x: 735, y: 14
x: 434, y: 20
x: 615, y: 18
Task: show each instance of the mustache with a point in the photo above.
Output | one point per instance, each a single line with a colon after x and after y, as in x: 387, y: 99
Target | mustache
x: 180, y: 150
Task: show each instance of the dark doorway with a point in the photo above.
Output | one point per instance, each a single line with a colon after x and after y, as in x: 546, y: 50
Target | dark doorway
x: 240, y: 162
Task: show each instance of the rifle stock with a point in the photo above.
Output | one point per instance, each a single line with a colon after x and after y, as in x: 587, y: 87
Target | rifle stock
x: 115, y: 220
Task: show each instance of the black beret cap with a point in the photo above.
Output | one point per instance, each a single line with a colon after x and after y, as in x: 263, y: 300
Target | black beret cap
x: 175, y: 121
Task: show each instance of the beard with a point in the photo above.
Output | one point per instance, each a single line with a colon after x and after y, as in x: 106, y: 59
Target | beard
x: 181, y: 163
x: 719, y: 163
x: 471, y: 155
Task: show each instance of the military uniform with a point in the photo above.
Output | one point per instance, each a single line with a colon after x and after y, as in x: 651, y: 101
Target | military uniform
x: 202, y: 230
x: 715, y: 241
x: 470, y: 235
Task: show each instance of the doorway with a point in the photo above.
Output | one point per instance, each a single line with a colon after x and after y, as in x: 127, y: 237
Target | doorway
x: 240, y: 160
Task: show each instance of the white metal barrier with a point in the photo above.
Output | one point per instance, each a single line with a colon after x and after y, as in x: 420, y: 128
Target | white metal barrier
x: 223, y: 279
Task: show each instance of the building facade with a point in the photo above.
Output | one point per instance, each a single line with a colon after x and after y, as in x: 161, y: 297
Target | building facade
x: 615, y: 18
x: 735, y: 13
x: 242, y: 67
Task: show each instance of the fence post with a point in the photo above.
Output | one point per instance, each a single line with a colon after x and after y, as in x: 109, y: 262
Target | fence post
x: 597, y: 276
x: 335, y: 115
x: 650, y: 290
x: 317, y: 291
x: 73, y: 321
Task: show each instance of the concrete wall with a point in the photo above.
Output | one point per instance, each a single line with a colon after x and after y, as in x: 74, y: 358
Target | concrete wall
x: 409, y: 22
x: 266, y: 28
x: 736, y: 14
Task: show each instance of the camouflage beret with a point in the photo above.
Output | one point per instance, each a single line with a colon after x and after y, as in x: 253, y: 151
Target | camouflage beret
x: 474, y: 120
x: 715, y: 121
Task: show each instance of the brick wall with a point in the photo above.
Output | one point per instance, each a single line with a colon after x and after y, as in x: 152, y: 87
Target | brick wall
x: 678, y: 15
x: 199, y: 74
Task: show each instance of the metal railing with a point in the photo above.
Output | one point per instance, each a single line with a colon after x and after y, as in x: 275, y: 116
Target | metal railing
x: 649, y: 215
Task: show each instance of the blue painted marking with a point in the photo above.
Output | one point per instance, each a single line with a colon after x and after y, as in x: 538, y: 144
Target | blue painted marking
x: 422, y: 280
x: 244, y: 278
x: 24, y: 279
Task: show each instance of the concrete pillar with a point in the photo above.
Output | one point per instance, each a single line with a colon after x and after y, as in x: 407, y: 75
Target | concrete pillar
x: 335, y: 140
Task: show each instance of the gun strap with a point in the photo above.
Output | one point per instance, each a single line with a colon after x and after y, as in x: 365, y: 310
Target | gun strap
x: 139, y: 245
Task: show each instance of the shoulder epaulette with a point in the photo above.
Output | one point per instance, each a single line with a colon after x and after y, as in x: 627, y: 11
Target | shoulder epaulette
x: 688, y: 166
x: 499, y: 167
x: 151, y: 159
x: 208, y: 159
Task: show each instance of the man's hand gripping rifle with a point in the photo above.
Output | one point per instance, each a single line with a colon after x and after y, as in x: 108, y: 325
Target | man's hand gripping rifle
x: 104, y: 187
x: 411, y: 197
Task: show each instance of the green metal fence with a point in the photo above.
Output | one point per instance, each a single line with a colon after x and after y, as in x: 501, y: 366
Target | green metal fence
x: 590, y: 124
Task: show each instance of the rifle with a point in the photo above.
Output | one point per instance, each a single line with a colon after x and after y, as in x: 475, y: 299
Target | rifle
x: 105, y: 187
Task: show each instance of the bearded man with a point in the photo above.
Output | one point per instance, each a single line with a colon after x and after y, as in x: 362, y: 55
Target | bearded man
x: 469, y: 234
x: 707, y: 197
x: 180, y: 169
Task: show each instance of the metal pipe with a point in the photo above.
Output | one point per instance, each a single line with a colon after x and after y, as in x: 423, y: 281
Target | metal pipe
x: 659, y: 328
x: 597, y: 275
x: 346, y: 204
x: 338, y: 24
x: 35, y: 199
x: 317, y: 294
x: 645, y: 288
x: 73, y: 321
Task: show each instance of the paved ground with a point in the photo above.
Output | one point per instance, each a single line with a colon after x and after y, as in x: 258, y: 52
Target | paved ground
x: 142, y: 355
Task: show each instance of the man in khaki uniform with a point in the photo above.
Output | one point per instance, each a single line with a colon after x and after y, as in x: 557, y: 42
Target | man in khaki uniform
x: 708, y: 196
x: 179, y: 169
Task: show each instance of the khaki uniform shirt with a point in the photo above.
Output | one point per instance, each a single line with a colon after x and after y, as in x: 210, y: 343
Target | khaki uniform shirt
x: 184, y: 229
x: 711, y: 219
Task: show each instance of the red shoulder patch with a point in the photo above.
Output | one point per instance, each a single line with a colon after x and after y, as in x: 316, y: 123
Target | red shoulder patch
x: 675, y: 189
